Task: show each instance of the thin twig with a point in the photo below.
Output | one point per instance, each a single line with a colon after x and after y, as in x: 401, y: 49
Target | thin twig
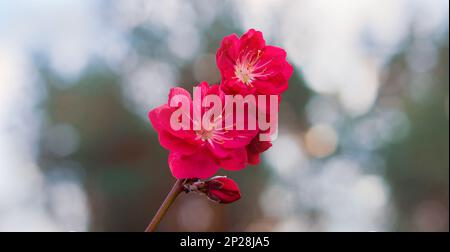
x: 170, y: 198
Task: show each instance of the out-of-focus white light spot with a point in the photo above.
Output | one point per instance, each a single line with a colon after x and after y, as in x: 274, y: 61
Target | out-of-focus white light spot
x: 431, y: 16
x: 62, y: 140
x: 371, y: 189
x: 69, y: 204
x: 286, y: 157
x: 207, y: 11
x: 321, y: 140
x: 28, y: 219
x: 277, y: 201
x: 259, y: 15
x: 184, y: 43
x: 360, y: 89
x: 188, y: 215
x: 147, y: 86
x: 290, y: 224
x: 14, y: 70
x: 13, y: 167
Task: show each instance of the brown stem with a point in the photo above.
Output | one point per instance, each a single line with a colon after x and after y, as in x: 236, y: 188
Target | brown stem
x: 170, y: 198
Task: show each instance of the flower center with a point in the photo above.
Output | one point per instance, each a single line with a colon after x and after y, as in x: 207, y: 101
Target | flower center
x: 243, y: 73
x: 249, y: 67
x: 204, y: 134
x: 215, y: 134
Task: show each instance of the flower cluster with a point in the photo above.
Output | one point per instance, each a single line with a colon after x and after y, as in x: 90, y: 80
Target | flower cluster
x: 248, y: 67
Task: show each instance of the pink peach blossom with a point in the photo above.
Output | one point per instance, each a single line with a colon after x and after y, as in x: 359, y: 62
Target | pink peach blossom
x: 248, y: 65
x: 199, y: 153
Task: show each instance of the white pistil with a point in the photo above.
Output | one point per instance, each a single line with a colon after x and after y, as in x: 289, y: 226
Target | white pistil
x: 248, y: 68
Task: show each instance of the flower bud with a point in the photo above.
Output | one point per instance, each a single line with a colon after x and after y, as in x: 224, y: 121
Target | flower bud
x: 222, y: 190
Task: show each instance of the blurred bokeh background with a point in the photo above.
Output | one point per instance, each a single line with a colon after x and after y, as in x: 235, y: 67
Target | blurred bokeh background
x: 364, y: 127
